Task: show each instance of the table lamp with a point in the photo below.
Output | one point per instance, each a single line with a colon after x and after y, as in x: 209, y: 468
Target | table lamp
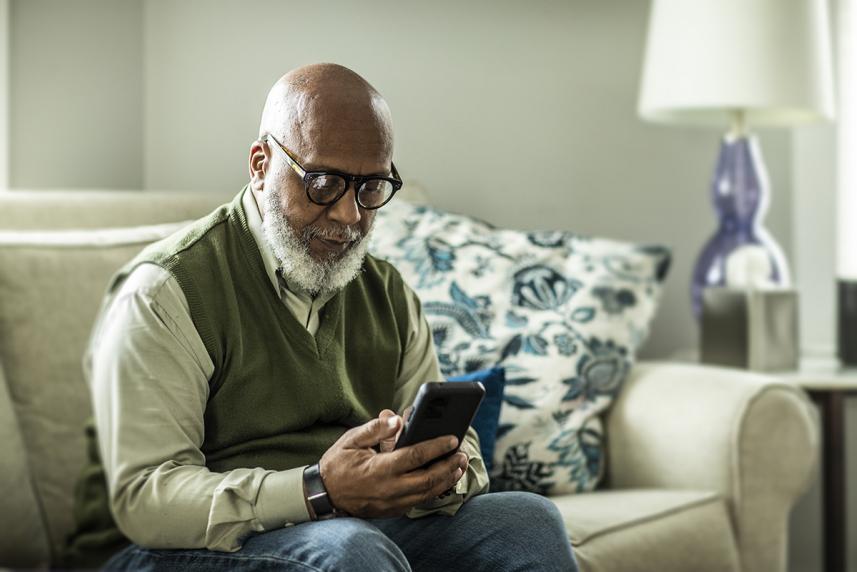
x: 738, y: 63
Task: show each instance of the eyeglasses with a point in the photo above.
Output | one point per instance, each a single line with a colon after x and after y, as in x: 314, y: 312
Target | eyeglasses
x: 327, y: 187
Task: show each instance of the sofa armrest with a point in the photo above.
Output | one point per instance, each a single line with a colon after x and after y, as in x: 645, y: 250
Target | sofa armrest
x: 750, y: 437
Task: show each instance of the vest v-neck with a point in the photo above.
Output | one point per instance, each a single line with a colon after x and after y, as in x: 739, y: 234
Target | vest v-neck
x: 328, y: 319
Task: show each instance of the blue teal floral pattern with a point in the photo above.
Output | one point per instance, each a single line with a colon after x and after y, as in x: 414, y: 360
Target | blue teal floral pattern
x: 562, y: 313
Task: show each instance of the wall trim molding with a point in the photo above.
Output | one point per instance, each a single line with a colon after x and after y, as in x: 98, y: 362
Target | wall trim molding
x: 5, y: 89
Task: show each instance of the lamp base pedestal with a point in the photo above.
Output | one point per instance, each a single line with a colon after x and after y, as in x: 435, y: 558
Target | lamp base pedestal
x: 741, y: 253
x: 847, y: 321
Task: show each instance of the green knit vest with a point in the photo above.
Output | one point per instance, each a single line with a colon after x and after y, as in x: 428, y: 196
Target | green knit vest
x: 279, y: 397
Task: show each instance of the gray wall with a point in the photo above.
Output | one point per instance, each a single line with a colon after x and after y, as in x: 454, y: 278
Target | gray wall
x: 522, y: 114
x: 495, y: 104
x: 76, y: 94
x: 814, y: 211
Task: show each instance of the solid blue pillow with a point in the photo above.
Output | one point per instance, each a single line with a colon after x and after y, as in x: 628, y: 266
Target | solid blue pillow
x: 488, y: 415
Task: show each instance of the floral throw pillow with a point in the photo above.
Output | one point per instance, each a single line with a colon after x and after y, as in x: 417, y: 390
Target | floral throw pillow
x: 562, y: 313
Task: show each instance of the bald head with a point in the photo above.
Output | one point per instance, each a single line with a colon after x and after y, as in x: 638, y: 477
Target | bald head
x: 329, y: 106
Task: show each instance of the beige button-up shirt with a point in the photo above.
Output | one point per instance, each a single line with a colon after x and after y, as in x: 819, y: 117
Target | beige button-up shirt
x: 149, y: 370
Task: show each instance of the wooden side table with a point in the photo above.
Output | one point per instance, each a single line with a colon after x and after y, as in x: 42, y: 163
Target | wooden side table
x: 828, y: 385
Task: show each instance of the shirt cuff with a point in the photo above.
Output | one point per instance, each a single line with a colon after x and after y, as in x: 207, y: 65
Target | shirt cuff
x: 281, y: 499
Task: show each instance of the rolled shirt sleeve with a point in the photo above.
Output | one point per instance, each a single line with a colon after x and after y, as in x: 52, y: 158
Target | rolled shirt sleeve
x: 419, y: 365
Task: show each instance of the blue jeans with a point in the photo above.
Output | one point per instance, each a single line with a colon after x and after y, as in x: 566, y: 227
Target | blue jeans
x: 496, y: 532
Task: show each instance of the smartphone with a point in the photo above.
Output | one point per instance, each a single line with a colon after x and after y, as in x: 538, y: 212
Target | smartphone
x: 441, y: 408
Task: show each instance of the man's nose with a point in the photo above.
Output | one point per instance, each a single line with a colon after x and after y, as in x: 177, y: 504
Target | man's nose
x: 346, y: 211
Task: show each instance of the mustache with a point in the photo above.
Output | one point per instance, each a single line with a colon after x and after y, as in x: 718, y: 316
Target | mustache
x: 339, y: 233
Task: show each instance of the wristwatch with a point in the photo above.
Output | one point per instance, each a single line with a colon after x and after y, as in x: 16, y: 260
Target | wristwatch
x: 316, y: 494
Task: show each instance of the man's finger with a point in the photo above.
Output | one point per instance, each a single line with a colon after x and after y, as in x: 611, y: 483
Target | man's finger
x: 427, y: 484
x: 371, y: 433
x: 420, y: 481
x: 415, y: 456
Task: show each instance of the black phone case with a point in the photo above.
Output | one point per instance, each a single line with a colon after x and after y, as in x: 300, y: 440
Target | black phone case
x: 441, y: 408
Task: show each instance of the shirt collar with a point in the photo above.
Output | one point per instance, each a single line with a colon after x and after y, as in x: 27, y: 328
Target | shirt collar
x: 272, y: 266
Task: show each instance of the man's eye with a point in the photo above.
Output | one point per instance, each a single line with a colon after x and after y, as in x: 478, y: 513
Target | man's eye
x: 327, y: 184
x: 373, y: 185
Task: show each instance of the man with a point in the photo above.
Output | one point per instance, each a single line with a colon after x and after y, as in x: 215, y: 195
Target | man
x: 246, y: 373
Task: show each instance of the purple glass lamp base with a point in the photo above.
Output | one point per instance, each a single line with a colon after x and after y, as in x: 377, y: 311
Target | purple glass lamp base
x: 741, y: 253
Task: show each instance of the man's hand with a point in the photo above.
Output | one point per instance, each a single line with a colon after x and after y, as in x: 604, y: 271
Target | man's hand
x: 363, y: 482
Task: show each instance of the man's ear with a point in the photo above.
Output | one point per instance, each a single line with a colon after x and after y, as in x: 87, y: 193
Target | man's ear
x: 258, y: 165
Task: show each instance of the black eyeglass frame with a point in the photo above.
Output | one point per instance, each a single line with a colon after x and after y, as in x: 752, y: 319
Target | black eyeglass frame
x: 358, y: 180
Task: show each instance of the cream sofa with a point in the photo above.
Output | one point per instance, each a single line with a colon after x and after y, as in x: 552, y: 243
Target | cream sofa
x: 704, y: 464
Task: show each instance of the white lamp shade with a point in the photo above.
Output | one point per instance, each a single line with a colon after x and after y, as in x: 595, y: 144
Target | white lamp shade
x: 705, y: 59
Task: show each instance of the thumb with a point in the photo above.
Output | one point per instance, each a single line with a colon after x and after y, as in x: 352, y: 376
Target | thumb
x: 371, y: 433
x: 388, y: 417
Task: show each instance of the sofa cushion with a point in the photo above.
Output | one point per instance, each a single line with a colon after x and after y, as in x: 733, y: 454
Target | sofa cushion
x: 563, y: 314
x: 24, y: 540
x: 75, y: 209
x: 51, y: 287
x: 643, y: 530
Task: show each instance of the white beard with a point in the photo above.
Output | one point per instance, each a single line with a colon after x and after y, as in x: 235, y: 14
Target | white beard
x: 293, y: 253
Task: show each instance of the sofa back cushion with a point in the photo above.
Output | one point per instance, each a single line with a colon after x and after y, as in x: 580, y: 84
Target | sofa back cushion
x: 75, y: 210
x: 24, y: 542
x: 51, y: 287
